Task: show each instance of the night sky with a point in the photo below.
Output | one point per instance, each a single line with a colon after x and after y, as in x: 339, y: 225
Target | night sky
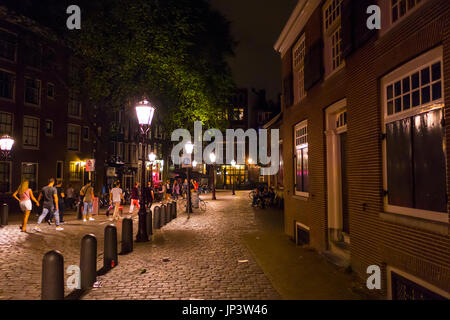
x: 256, y: 25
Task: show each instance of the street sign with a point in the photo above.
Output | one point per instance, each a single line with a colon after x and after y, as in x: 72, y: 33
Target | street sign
x: 90, y: 165
x: 186, y: 161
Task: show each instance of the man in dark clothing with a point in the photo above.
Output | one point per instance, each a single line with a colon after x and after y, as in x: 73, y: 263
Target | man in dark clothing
x: 61, y: 195
x: 149, y: 195
x: 51, y: 204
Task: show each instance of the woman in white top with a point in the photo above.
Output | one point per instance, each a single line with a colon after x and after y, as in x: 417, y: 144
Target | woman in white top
x: 115, y: 196
x: 25, y: 197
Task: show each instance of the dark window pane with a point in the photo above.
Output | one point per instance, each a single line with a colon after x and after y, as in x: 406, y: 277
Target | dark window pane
x: 394, y: 14
x: 415, y: 98
x: 425, y: 95
x: 437, y: 90
x: 390, y: 107
x: 415, y: 80
x: 406, y: 85
x: 399, y: 163
x: 402, y: 8
x: 406, y: 102
x: 425, y: 73
x: 398, y: 88
x: 436, y: 71
x: 429, y: 162
x: 389, y: 92
x: 398, y: 105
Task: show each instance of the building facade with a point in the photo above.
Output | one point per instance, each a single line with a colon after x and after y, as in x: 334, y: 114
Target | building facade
x: 47, y: 120
x: 364, y: 139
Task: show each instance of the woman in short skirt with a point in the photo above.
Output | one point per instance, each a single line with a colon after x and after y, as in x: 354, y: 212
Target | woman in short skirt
x: 25, y: 197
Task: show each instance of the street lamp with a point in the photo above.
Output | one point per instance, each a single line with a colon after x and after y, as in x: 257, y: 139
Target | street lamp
x: 233, y: 164
x: 212, y: 157
x: 189, y: 147
x: 144, y: 112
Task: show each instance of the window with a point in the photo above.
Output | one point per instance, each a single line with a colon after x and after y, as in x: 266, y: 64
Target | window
x: 400, y: 8
x: 298, y: 63
x: 30, y: 132
x: 6, y: 123
x: 301, y: 159
x: 8, y: 45
x: 74, y: 104
x: 85, y: 133
x: 59, y: 170
x: 32, y: 91
x: 51, y: 90
x: 280, y: 174
x: 414, y: 148
x: 6, y: 85
x: 333, y: 36
x: 32, y: 54
x: 30, y: 173
x: 5, y: 176
x: 238, y: 114
x: 341, y: 120
x: 73, y: 137
x: 49, y: 127
x: 75, y: 171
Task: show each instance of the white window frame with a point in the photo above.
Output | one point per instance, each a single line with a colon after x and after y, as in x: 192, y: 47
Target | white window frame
x: 408, y: 11
x: 328, y: 34
x: 38, y: 133
x: 12, y: 123
x: 13, y: 99
x: 25, y: 92
x: 10, y: 175
x: 37, y: 172
x: 412, y: 66
x: 299, y: 126
x: 79, y: 140
x: 75, y: 163
x: 298, y: 65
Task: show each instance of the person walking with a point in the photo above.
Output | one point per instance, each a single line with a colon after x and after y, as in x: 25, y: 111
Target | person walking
x: 50, y: 204
x: 134, y: 198
x: 62, y: 206
x: 70, y: 196
x: 168, y: 190
x: 176, y: 190
x: 149, y: 195
x: 185, y: 188
x: 115, y: 196
x: 25, y: 197
x: 88, y: 201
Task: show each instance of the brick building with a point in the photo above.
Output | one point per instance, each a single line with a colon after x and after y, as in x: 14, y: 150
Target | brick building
x: 38, y: 109
x: 365, y: 163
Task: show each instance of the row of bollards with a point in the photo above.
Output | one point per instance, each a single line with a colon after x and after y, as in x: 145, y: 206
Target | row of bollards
x: 53, y: 261
x: 164, y: 214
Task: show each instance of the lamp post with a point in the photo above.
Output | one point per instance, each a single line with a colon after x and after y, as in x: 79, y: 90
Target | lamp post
x: 212, y: 157
x: 144, y: 112
x: 189, y: 147
x: 233, y: 164
x: 6, y: 144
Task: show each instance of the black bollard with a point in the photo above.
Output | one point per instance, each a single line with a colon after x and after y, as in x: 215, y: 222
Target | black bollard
x: 174, y: 210
x: 163, y: 215
x: 149, y: 223
x: 4, y: 213
x: 79, y: 211
x: 157, y: 218
x: 110, y: 250
x: 52, y: 287
x: 88, y: 261
x: 169, y: 212
x: 127, y: 236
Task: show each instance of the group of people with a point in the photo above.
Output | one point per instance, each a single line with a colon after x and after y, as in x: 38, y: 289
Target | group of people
x: 54, y: 202
x: 261, y: 195
x: 177, y: 189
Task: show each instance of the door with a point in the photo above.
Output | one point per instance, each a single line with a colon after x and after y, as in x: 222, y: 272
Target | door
x: 344, y: 183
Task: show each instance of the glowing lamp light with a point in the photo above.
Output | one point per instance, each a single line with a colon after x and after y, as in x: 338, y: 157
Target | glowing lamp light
x: 152, y: 157
x: 6, y: 143
x: 145, y: 112
x: 250, y: 160
x: 233, y: 163
x: 212, y: 157
x: 189, y: 147
x: 194, y: 163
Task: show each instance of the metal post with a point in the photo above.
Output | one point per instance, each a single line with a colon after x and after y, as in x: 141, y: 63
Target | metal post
x: 169, y: 212
x: 142, y: 235
x: 52, y: 287
x: 188, y: 203
x: 149, y: 223
x: 127, y: 236
x: 162, y: 216
x: 4, y: 214
x: 88, y: 261
x: 110, y: 247
x: 157, y: 220
x: 234, y: 180
x: 214, y: 182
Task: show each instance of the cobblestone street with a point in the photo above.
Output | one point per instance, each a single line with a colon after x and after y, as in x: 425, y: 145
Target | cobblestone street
x: 212, y: 255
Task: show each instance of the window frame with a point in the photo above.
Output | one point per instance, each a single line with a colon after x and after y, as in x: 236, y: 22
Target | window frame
x: 49, y: 84
x: 79, y: 139
x: 407, y: 13
x: 300, y: 125
x: 10, y: 174
x: 400, y: 73
x: 74, y: 97
x: 328, y: 34
x: 79, y: 175
x: 12, y: 123
x: 13, y: 75
x: 15, y: 46
x: 49, y: 134
x: 88, y: 133
x: 62, y: 170
x: 299, y: 68
x: 25, y: 146
x: 25, y: 92
x: 37, y: 172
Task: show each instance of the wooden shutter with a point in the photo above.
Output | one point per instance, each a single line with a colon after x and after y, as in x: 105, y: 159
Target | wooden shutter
x: 313, y: 64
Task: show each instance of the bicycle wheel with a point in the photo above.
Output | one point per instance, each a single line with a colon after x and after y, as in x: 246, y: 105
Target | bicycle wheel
x: 202, y: 205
